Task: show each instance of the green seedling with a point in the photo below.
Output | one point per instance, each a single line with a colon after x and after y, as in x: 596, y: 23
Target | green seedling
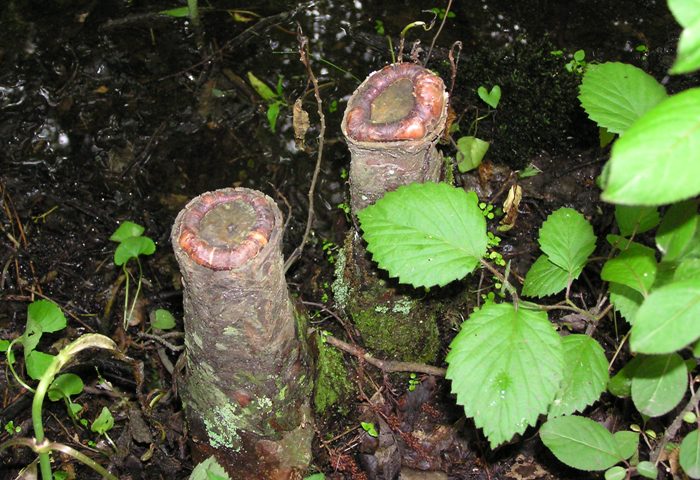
x: 11, y: 429
x: 370, y: 428
x: 470, y: 153
x: 379, y: 27
x: 45, y: 317
x: 413, y: 382
x: 440, y: 13
x: 274, y: 98
x: 492, y: 97
x: 577, y: 64
x: 103, y: 424
x: 132, y: 244
x: 162, y: 319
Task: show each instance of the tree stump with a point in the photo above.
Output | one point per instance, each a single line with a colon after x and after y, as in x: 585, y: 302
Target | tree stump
x: 392, y: 125
x: 247, y: 382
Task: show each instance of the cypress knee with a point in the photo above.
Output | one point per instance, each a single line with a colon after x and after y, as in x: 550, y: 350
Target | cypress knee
x: 246, y: 384
x: 392, y: 125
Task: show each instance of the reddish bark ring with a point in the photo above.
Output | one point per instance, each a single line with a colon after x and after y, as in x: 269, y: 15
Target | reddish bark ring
x: 429, y: 94
x: 225, y: 257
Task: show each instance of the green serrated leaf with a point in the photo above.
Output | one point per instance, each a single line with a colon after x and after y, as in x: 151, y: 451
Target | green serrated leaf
x: 689, y: 456
x: 263, y: 90
x: 103, y: 423
x: 677, y: 230
x: 635, y: 267
x: 655, y: 161
x: 615, y: 95
x: 659, y: 383
x: 163, y: 320
x: 470, y: 152
x: 133, y: 247
x: 206, y: 467
x: 581, y: 443
x: 668, y: 318
x: 626, y: 301
x: 47, y: 314
x: 616, y: 473
x: 647, y: 470
x: 585, y: 375
x: 425, y: 234
x: 620, y: 384
x: 64, y: 386
x: 126, y: 230
x: 544, y: 278
x: 626, y: 442
x: 634, y: 219
x: 37, y: 363
x: 567, y: 239
x: 688, y: 54
x: 505, y: 366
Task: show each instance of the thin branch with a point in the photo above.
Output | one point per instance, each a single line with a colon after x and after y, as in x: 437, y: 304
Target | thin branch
x: 437, y: 34
x: 304, y: 56
x: 508, y: 286
x: 453, y: 64
x: 383, y: 365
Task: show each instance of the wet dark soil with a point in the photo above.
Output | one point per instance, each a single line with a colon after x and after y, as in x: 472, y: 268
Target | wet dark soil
x: 112, y: 112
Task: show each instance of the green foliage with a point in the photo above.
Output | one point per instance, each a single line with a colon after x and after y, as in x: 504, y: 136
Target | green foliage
x: 274, y: 98
x: 689, y: 456
x: 163, y: 320
x: 492, y: 97
x: 370, y: 428
x: 577, y: 64
x: 615, y: 95
x: 676, y: 234
x: 315, y: 476
x: 103, y: 423
x: 586, y: 445
x: 425, y: 234
x: 470, y: 152
x: 379, y: 27
x: 634, y: 220
x: 620, y: 384
x: 127, y: 229
x: 209, y: 469
x: 567, y: 240
x: 585, y: 375
x: 659, y: 383
x: 634, y: 267
x: 64, y: 386
x: 686, y: 13
x: 647, y: 470
x: 524, y: 356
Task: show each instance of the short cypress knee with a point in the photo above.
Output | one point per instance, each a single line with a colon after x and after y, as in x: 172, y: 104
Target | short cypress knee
x: 246, y: 384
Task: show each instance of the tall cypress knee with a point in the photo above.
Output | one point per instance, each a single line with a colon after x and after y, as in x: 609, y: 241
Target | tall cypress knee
x: 246, y: 385
x: 392, y: 125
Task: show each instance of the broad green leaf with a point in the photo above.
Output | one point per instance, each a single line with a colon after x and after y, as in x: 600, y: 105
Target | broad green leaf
x: 633, y: 219
x: 688, y: 269
x: 133, y: 247
x: 655, y: 161
x: 491, y: 98
x: 686, y: 12
x: 126, y: 230
x: 677, y: 230
x: 425, y: 234
x: 688, y: 54
x: 585, y: 375
x: 506, y: 366
x: 263, y: 90
x: 208, y: 467
x: 64, y: 386
x: 659, y: 383
x: 627, y: 443
x: 37, y: 362
x: 163, y: 319
x: 470, y: 152
x: 179, y: 12
x: 616, y: 473
x: 47, y: 314
x: 103, y: 423
x: 544, y: 278
x: 647, y: 470
x: 696, y: 349
x: 581, y: 443
x: 620, y: 384
x: 668, y: 319
x: 634, y: 267
x: 273, y: 111
x: 567, y: 238
x: 615, y: 95
x: 689, y: 456
x: 626, y: 300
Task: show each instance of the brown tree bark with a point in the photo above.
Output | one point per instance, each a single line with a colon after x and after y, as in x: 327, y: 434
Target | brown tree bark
x: 247, y: 380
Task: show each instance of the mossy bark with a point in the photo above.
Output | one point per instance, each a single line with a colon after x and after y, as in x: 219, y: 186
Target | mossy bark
x: 246, y: 385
